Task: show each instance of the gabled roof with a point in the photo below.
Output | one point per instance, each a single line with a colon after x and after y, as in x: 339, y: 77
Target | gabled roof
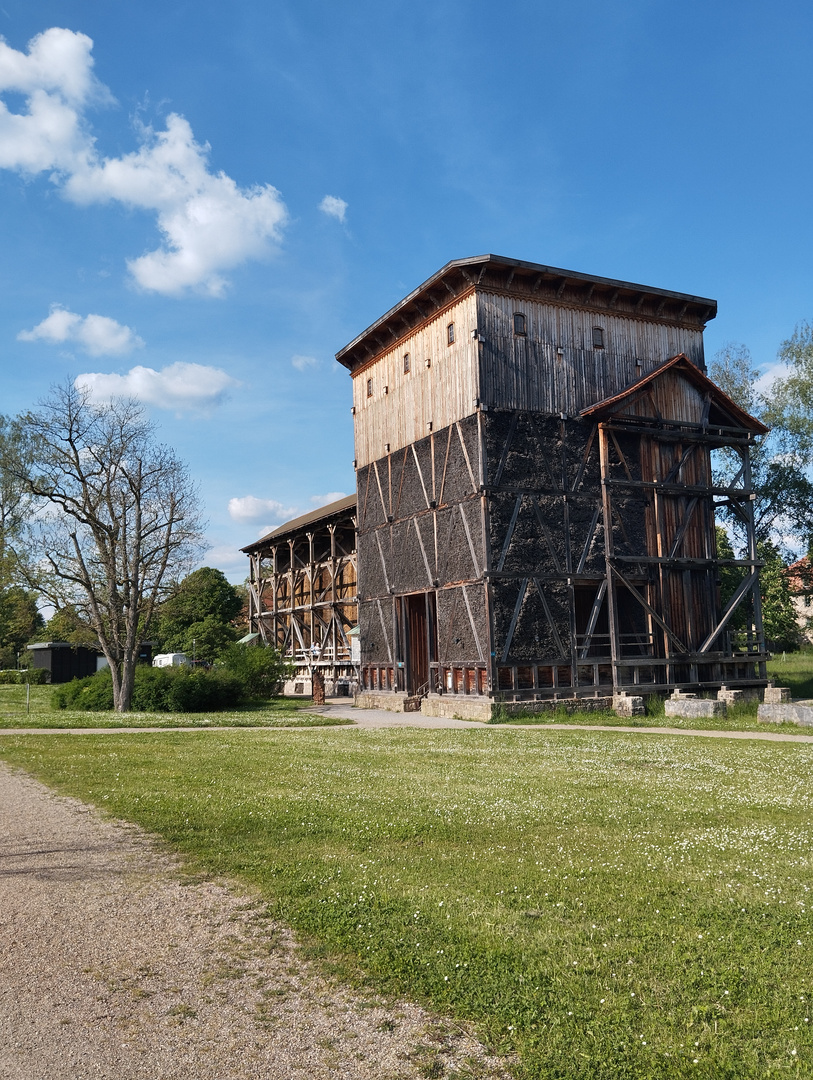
x: 534, y: 280
x: 340, y: 506
x: 693, y: 374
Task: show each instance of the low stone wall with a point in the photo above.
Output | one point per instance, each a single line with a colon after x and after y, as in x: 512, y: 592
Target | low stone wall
x: 378, y: 699
x: 457, y: 706
x: 794, y: 712
x: 471, y: 707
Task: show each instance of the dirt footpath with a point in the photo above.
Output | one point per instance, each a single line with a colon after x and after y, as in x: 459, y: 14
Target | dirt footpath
x: 115, y: 965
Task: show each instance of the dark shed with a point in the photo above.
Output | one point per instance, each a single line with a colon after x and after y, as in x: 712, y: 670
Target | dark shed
x: 64, y: 661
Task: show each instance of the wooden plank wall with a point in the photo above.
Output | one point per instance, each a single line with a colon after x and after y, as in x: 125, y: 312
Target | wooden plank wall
x: 530, y: 373
x: 439, y: 394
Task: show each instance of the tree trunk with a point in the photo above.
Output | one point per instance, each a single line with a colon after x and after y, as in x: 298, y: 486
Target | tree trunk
x: 127, y: 682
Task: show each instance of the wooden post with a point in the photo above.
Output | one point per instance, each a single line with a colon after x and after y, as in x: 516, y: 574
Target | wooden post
x: 607, y: 508
x: 752, y: 556
x: 318, y: 684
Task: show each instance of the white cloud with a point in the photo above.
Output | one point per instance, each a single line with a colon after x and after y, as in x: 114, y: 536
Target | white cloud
x: 208, y: 224
x: 323, y: 500
x: 764, y: 384
x: 229, y: 559
x: 333, y: 207
x: 250, y: 508
x: 303, y: 362
x: 56, y: 76
x: 179, y: 386
x: 95, y: 334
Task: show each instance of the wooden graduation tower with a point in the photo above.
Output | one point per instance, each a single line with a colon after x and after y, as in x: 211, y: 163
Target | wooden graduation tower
x: 535, y: 494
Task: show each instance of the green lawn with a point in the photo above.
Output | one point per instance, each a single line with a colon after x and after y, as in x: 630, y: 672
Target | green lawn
x: 610, y: 905
x: 280, y: 712
x: 794, y: 670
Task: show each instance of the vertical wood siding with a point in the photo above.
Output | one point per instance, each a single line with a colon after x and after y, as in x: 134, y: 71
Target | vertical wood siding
x: 439, y: 394
x: 530, y: 373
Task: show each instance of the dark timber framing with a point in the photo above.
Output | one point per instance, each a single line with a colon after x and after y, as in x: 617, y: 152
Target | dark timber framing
x: 303, y: 590
x: 536, y: 499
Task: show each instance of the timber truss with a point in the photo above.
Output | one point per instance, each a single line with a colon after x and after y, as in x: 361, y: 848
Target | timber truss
x: 664, y: 579
x: 302, y: 588
x: 604, y: 568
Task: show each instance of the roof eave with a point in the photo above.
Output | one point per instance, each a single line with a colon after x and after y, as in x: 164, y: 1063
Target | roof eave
x: 346, y: 356
x: 609, y: 405
x: 334, y: 509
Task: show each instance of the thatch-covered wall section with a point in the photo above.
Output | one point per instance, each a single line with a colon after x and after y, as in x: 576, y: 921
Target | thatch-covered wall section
x: 421, y: 533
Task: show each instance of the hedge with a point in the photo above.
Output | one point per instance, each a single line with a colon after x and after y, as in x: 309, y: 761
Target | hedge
x: 15, y: 677
x: 175, y: 689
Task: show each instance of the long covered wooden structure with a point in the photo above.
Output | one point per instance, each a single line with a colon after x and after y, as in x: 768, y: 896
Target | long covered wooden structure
x: 303, y: 595
x: 536, y: 494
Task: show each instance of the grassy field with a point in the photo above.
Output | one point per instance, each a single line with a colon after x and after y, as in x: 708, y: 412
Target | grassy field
x: 280, y: 712
x: 794, y: 670
x: 607, y: 905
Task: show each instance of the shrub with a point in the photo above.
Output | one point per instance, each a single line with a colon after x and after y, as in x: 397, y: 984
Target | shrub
x: 13, y: 677
x: 259, y: 668
x: 178, y: 689
x: 94, y: 693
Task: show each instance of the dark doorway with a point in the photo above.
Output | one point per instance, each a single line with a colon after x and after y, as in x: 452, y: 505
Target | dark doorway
x: 592, y: 625
x: 419, y: 619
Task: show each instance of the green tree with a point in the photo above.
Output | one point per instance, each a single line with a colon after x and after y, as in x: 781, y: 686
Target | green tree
x: 779, y: 461
x: 66, y: 624
x: 15, y: 502
x: 198, y: 615
x: 778, y: 613
x: 260, y: 668
x: 790, y: 409
x: 20, y: 622
x: 730, y: 576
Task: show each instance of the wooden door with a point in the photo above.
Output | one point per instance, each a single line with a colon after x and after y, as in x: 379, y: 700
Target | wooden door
x: 417, y: 644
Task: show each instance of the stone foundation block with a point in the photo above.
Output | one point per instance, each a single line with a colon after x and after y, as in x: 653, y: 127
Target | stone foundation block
x: 729, y: 696
x: 628, y: 705
x: 795, y: 712
x: 776, y: 695
x: 690, y: 708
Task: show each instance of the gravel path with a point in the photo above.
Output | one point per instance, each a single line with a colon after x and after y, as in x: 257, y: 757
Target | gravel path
x: 113, y: 964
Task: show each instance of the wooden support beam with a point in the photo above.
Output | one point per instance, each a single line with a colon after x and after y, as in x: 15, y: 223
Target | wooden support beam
x: 514, y: 619
x: 744, y: 587
x: 591, y: 622
x: 679, y: 645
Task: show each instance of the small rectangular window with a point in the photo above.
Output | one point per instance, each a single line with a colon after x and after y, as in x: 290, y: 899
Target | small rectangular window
x: 369, y: 388
x: 450, y: 334
x: 598, y: 337
x: 407, y: 364
x: 519, y: 324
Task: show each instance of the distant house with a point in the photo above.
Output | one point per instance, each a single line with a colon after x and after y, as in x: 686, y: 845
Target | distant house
x: 800, y: 580
x: 64, y: 661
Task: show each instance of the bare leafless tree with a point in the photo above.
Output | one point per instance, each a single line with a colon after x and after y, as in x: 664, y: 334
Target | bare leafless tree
x: 118, y: 517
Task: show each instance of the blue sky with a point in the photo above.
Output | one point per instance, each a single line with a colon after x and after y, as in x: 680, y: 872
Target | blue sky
x: 170, y: 179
